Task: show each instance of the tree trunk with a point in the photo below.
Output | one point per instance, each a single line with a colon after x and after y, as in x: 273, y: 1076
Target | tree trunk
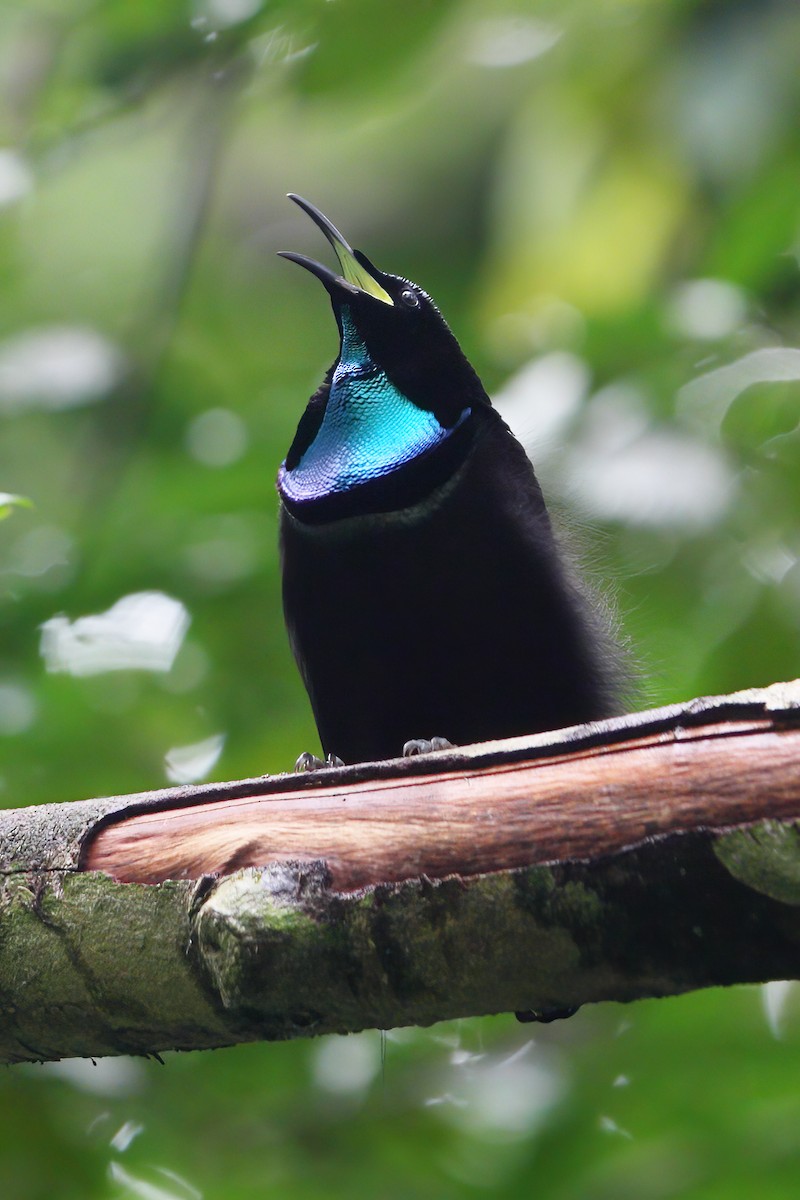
x: 642, y: 856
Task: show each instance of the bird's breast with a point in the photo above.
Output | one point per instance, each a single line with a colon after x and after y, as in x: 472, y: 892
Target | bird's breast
x: 372, y: 453
x: 369, y: 430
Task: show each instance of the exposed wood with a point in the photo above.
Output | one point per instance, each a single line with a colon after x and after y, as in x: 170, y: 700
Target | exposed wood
x: 475, y: 818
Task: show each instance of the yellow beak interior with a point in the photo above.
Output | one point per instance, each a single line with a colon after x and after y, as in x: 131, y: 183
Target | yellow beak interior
x: 356, y: 274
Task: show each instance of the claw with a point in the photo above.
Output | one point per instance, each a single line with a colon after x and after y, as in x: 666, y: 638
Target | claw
x: 545, y: 1015
x: 425, y: 746
x: 310, y: 762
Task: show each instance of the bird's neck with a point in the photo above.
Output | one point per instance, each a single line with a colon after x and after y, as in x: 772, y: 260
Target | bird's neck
x: 369, y: 428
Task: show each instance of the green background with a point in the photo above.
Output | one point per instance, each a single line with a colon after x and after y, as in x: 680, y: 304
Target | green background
x: 604, y: 198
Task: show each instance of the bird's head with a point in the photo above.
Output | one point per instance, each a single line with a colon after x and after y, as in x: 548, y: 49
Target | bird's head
x: 402, y: 329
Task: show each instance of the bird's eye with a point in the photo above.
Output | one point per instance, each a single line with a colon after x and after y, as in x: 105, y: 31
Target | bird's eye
x: 410, y: 298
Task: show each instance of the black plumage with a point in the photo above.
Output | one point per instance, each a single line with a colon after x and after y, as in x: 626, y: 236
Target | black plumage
x: 424, y: 591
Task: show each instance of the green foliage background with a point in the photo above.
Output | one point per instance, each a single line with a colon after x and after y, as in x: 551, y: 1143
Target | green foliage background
x: 559, y: 177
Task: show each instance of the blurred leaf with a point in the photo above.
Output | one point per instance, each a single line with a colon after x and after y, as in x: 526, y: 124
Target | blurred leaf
x: 760, y: 413
x: 8, y: 502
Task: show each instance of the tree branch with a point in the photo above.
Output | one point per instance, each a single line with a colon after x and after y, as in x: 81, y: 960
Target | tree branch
x: 641, y: 856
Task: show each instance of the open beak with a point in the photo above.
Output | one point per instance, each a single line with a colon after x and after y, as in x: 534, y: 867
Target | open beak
x: 355, y: 277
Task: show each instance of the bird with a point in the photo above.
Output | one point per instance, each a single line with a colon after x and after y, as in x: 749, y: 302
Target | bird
x: 427, y: 598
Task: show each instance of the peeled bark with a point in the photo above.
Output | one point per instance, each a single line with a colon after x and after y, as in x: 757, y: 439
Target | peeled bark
x: 642, y: 856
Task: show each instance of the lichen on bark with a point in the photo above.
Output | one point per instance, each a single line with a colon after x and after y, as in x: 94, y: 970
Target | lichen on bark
x: 765, y: 857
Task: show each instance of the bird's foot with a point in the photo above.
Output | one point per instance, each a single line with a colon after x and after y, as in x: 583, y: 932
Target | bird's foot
x: 425, y: 746
x: 543, y: 1016
x: 310, y: 762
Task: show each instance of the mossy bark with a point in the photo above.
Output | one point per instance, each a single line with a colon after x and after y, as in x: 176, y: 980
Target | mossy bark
x: 92, y: 967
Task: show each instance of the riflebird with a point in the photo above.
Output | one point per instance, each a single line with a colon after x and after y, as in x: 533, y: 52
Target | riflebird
x: 425, y: 593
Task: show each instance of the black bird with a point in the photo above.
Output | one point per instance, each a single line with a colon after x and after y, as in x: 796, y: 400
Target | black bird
x: 423, y: 588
